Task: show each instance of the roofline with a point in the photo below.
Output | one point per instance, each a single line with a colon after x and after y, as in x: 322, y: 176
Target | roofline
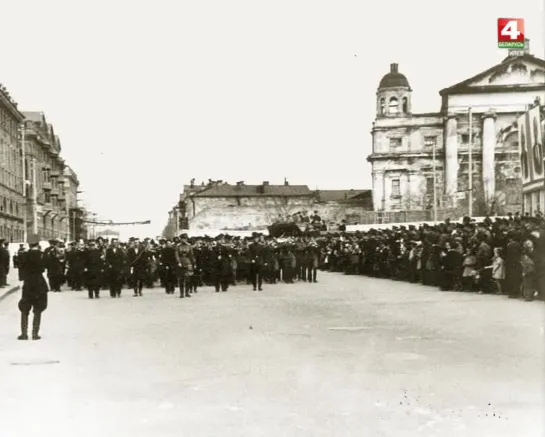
x: 311, y: 194
x: 11, y: 107
x: 485, y: 89
x: 450, y: 89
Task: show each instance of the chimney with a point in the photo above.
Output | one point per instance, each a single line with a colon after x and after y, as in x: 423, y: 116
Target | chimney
x: 263, y: 188
x: 286, y: 183
x: 393, y: 68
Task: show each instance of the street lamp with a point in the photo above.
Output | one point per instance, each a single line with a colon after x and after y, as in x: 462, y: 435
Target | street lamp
x: 26, y: 183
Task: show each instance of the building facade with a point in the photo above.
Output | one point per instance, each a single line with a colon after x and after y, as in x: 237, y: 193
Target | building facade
x: 218, y: 205
x: 52, y: 189
x: 76, y: 214
x: 419, y: 159
x: 531, y: 136
x: 12, y: 201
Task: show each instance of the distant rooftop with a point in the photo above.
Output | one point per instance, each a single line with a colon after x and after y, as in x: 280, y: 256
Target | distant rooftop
x: 222, y: 189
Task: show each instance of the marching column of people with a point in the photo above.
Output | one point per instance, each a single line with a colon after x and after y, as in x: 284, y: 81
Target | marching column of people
x: 184, y: 263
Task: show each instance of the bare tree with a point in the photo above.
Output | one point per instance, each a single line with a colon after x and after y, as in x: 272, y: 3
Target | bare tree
x: 169, y: 230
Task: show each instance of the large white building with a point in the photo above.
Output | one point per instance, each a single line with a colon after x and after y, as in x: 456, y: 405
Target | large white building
x: 417, y: 154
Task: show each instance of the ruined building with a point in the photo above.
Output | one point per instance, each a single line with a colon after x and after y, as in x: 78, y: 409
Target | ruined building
x: 410, y: 149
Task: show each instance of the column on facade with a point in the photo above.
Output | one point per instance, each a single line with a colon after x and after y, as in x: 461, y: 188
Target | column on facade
x: 451, y: 155
x: 489, y: 153
x: 378, y: 190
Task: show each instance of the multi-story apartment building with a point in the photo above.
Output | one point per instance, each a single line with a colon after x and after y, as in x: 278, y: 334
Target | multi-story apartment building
x: 50, y: 193
x: 12, y: 201
x: 76, y: 214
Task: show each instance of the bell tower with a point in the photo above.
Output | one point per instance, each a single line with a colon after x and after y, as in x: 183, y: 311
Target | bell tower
x: 394, y: 94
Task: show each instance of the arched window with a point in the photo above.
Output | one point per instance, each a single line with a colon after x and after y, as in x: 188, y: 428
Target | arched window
x: 405, y: 105
x: 382, y: 105
x: 393, y: 106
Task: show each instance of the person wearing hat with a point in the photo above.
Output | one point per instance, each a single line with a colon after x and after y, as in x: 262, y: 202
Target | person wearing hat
x: 94, y: 267
x: 185, y: 260
x: 139, y: 258
x: 17, y: 258
x: 34, y: 290
x: 167, y: 263
x: 256, y: 253
x: 4, y: 263
x: 55, y: 265
x: 115, y: 261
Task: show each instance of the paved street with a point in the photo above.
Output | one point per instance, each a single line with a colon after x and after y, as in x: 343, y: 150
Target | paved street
x: 349, y: 356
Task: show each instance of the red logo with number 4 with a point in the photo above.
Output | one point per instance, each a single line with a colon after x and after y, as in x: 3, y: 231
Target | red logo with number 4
x: 511, y: 33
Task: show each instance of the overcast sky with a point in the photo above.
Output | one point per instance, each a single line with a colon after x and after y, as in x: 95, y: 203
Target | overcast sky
x: 146, y: 95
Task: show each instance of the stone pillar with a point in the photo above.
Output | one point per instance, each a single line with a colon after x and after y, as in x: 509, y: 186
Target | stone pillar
x: 378, y: 190
x: 451, y: 155
x: 489, y: 153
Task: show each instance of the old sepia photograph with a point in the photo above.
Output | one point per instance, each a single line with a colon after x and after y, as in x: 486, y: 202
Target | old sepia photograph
x: 258, y: 218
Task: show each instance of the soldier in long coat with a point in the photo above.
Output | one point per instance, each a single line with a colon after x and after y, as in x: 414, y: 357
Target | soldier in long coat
x: 185, y: 260
x: 4, y: 263
x: 312, y: 255
x: 115, y: 261
x: 34, y: 295
x: 221, y: 267
x: 256, y: 252
x: 16, y: 260
x: 140, y: 258
x: 55, y: 261
x: 94, y: 269
x: 167, y: 263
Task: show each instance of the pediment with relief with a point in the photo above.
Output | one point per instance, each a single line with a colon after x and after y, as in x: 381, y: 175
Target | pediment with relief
x: 514, y: 73
x: 525, y: 71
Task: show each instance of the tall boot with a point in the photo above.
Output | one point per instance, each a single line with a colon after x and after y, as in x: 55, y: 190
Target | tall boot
x: 24, y: 327
x: 36, y: 326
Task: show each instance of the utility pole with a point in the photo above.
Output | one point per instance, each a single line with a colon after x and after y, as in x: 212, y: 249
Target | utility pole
x: 470, y: 164
x: 24, y: 176
x: 34, y: 201
x: 434, y: 185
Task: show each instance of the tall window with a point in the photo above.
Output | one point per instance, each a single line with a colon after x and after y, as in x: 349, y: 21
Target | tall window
x: 393, y: 105
x: 429, y: 185
x: 382, y: 105
x: 396, y: 188
x: 47, y: 197
x: 405, y: 105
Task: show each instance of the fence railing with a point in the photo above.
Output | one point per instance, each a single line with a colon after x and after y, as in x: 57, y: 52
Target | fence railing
x: 384, y: 217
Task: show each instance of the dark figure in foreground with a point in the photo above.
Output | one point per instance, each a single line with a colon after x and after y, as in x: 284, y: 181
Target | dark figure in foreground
x: 34, y: 296
x: 4, y: 263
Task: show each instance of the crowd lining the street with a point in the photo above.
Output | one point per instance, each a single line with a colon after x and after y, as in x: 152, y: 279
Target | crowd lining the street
x: 500, y: 255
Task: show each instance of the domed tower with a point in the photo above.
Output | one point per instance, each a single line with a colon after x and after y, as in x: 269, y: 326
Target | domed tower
x: 394, y: 94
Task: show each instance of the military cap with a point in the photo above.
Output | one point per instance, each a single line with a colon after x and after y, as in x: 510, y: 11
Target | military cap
x: 184, y: 236
x: 162, y: 241
x: 33, y: 240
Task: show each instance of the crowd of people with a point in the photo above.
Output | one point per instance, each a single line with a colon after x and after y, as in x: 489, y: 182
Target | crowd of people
x: 501, y: 255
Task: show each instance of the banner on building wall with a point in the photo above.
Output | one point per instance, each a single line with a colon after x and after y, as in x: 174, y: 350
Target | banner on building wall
x: 530, y: 131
